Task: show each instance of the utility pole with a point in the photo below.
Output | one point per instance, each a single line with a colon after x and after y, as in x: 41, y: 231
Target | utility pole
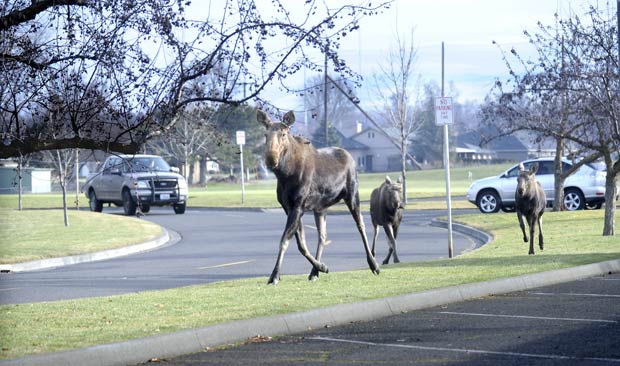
x: 325, y: 100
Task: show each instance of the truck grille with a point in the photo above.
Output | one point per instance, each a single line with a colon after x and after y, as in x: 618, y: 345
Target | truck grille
x: 165, y: 184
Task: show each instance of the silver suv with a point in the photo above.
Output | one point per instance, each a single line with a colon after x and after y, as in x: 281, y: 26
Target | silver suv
x: 584, y: 188
x: 136, y: 181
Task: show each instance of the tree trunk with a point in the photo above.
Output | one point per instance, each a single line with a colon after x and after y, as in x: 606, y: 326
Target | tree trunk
x: 63, y: 184
x: 202, y: 168
x: 20, y: 186
x: 610, y: 199
x: 190, y: 177
x: 558, y: 185
x: 403, y: 158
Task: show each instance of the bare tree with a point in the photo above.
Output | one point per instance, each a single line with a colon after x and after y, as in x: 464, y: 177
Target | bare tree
x: 398, y: 89
x: 142, y: 59
x: 570, y: 92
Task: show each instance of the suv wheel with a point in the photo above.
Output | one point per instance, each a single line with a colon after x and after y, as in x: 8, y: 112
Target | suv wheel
x: 488, y: 202
x: 93, y: 202
x: 574, y: 200
x: 129, y: 206
x: 179, y: 208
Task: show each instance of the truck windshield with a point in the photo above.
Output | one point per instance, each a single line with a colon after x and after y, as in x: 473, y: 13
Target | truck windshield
x: 149, y: 164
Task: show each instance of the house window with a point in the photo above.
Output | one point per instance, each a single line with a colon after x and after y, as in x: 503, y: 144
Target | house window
x: 371, y: 134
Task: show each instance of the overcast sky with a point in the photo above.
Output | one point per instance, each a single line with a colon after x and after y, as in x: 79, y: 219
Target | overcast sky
x: 467, y: 27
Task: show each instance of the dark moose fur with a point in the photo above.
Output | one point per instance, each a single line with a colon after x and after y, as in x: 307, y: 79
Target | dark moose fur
x: 386, y: 209
x: 530, y: 201
x: 310, y: 179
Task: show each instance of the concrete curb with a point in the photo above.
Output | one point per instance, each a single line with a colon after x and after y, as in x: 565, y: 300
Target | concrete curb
x: 196, y: 340
x: 162, y: 239
x: 480, y: 236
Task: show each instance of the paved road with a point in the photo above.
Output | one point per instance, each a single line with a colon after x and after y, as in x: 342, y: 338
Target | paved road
x: 576, y: 323
x: 223, y: 245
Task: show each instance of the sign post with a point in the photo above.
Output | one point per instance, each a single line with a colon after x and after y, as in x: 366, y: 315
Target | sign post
x: 444, y: 116
x: 241, y: 142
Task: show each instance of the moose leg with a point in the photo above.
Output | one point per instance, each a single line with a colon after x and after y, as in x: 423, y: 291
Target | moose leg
x: 374, y: 239
x: 522, y: 225
x: 303, y: 248
x: 391, y: 243
x: 395, y: 231
x: 353, y: 203
x: 531, y: 221
x: 321, y: 227
x: 540, y: 234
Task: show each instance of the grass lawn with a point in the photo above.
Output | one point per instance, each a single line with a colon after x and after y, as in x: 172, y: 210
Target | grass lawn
x: 420, y: 184
x: 36, y: 234
x: 60, y: 325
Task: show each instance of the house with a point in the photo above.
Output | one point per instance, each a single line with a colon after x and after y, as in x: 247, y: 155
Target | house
x: 34, y: 180
x: 373, y: 151
x: 506, y: 148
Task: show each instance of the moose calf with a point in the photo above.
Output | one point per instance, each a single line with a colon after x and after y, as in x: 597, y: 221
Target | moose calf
x: 530, y: 201
x: 386, y: 209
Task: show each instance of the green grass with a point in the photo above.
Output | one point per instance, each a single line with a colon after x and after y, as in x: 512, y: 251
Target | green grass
x: 37, y: 234
x: 55, y: 326
x: 421, y: 184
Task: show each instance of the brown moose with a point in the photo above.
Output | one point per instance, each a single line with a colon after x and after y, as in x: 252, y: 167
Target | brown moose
x: 386, y: 209
x: 530, y: 201
x: 310, y: 179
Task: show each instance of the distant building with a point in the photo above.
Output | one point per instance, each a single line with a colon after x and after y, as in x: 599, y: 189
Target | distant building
x: 34, y: 180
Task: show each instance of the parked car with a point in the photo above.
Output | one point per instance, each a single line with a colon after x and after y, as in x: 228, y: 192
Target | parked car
x: 584, y: 188
x: 134, y: 181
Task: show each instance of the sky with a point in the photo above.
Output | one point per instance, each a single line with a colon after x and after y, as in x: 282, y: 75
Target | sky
x: 467, y: 28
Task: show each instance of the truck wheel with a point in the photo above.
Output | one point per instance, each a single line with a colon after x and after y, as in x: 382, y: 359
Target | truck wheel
x: 146, y: 208
x: 179, y: 208
x: 129, y: 206
x: 93, y: 202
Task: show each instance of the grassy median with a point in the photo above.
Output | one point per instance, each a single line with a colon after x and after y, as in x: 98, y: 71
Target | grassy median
x: 54, y: 326
x: 37, y: 234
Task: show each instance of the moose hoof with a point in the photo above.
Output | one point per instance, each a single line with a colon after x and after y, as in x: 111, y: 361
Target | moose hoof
x: 323, y: 268
x: 525, y: 240
x: 376, y: 271
x: 274, y: 279
x: 313, y: 277
x: 386, y: 262
x: 531, y: 253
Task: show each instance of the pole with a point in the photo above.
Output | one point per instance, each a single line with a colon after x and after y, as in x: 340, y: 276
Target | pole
x: 242, y: 180
x: 325, y: 101
x: 446, y: 160
x: 77, y: 179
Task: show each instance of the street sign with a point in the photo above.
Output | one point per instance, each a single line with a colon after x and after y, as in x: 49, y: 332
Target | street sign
x: 443, y: 111
x: 240, y: 137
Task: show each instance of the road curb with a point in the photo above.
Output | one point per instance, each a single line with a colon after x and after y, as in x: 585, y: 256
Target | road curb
x: 161, y: 240
x: 482, y: 237
x: 196, y: 340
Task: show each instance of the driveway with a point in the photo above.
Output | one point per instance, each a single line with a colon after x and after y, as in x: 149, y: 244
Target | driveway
x: 219, y: 245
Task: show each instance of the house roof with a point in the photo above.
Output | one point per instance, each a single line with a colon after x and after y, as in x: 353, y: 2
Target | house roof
x: 504, y: 143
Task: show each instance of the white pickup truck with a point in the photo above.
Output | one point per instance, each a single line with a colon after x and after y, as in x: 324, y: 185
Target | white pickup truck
x: 136, y: 182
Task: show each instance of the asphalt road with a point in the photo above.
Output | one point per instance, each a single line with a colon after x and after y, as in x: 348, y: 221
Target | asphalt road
x: 576, y: 323
x: 224, y: 245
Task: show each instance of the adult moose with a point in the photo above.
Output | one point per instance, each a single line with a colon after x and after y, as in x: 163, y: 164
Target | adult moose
x: 530, y: 201
x: 386, y: 209
x: 310, y: 179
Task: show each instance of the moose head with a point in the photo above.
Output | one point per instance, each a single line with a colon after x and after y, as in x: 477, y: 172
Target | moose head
x: 526, y: 182
x: 278, y: 136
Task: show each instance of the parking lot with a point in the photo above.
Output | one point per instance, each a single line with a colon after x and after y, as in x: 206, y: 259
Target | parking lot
x: 576, y: 323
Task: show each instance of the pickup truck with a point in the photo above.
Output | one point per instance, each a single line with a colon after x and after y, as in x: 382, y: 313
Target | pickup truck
x: 136, y: 182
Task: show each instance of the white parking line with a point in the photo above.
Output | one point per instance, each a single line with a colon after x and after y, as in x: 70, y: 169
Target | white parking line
x: 227, y: 264
x: 9, y: 289
x: 464, y: 350
x: 573, y: 294
x: 530, y: 317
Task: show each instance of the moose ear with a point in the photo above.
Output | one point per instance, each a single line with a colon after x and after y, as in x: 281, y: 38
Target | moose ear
x: 521, y: 167
x: 400, y: 179
x: 534, y: 168
x: 289, y: 118
x: 388, y: 180
x: 263, y: 119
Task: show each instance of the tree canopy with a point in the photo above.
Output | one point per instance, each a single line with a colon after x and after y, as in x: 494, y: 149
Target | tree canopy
x: 109, y: 75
